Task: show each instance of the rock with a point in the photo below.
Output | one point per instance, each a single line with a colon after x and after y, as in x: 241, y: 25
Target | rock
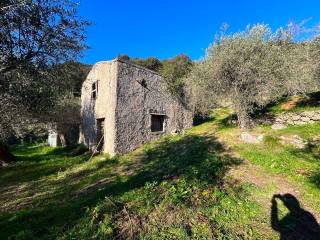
x: 291, y: 122
x: 309, y: 114
x: 3, y: 164
x: 289, y: 118
x: 300, y: 122
x: 278, y: 126
x: 305, y: 119
x: 316, y: 117
x: 249, y: 138
x: 295, y: 117
x: 294, y: 140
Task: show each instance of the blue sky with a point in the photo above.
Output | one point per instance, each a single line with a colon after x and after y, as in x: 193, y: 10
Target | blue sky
x: 166, y: 28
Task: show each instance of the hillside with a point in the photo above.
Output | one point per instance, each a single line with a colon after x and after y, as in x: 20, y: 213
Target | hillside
x: 203, y: 184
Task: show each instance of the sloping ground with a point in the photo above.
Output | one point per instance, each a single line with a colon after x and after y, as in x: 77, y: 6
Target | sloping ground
x: 204, y: 184
x: 286, y: 175
x: 170, y: 189
x: 297, y: 104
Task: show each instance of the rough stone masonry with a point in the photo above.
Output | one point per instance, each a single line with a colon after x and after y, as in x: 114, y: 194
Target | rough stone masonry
x: 124, y: 105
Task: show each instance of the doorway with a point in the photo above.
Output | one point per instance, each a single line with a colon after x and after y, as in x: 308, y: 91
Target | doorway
x: 100, y: 134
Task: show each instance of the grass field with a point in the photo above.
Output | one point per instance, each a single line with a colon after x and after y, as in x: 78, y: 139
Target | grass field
x: 204, y: 184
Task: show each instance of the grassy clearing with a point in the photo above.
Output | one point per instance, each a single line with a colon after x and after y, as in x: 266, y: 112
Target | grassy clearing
x: 299, y: 166
x: 174, y: 188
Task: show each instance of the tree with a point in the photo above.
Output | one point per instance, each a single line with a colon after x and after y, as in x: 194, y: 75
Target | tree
x: 151, y: 63
x: 71, y: 76
x: 249, y: 69
x: 315, y: 55
x: 65, y: 113
x: 38, y: 33
x: 35, y: 35
x: 174, y: 70
x: 124, y: 57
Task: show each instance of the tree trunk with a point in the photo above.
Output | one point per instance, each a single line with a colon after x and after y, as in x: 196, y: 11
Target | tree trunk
x: 62, y: 139
x: 244, y: 121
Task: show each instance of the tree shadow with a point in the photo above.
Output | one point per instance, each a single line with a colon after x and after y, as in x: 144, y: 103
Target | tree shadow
x: 315, y: 178
x: 229, y: 121
x: 310, y: 153
x: 297, y: 224
x: 193, y: 157
x: 312, y: 100
x: 198, y: 119
x: 32, y: 166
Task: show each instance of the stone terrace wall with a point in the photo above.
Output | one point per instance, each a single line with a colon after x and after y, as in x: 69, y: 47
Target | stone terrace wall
x: 298, y: 118
x: 295, y: 118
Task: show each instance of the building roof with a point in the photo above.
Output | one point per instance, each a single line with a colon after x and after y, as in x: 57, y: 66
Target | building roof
x: 132, y: 64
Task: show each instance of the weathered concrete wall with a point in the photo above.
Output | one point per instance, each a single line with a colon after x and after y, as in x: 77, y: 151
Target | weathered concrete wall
x: 103, y: 107
x: 135, y: 103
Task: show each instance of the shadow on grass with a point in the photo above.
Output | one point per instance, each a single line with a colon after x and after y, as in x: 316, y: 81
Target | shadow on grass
x: 229, y: 122
x: 297, y: 224
x: 31, y: 163
x: 199, y: 119
x: 310, y: 153
x: 193, y: 157
x: 315, y: 178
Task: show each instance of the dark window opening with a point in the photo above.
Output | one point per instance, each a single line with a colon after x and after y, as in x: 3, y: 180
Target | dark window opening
x: 157, y: 123
x: 94, y: 90
x: 144, y: 83
x: 100, y: 134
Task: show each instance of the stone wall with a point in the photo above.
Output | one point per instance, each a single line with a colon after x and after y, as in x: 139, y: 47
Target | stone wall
x: 296, y: 118
x: 127, y: 97
x: 136, y: 101
x: 103, y: 107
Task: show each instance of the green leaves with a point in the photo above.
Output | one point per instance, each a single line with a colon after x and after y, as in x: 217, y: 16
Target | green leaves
x: 250, y: 69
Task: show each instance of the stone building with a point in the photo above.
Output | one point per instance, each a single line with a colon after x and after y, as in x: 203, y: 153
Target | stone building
x: 124, y: 105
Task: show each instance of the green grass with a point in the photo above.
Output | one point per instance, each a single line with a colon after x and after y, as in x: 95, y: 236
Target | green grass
x: 302, y: 103
x: 174, y: 188
x: 299, y: 166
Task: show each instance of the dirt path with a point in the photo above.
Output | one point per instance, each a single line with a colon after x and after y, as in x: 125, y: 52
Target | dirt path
x: 269, y: 184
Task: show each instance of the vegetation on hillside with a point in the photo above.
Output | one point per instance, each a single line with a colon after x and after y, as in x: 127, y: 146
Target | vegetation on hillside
x: 179, y: 187
x: 253, y: 68
x: 200, y: 184
x: 35, y: 37
x: 151, y: 193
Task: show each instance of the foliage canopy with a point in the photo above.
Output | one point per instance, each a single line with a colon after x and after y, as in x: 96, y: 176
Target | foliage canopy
x: 249, y: 69
x: 35, y: 36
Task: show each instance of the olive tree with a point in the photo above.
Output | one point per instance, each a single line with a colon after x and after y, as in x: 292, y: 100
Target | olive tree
x: 174, y: 71
x: 35, y: 35
x: 250, y: 69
